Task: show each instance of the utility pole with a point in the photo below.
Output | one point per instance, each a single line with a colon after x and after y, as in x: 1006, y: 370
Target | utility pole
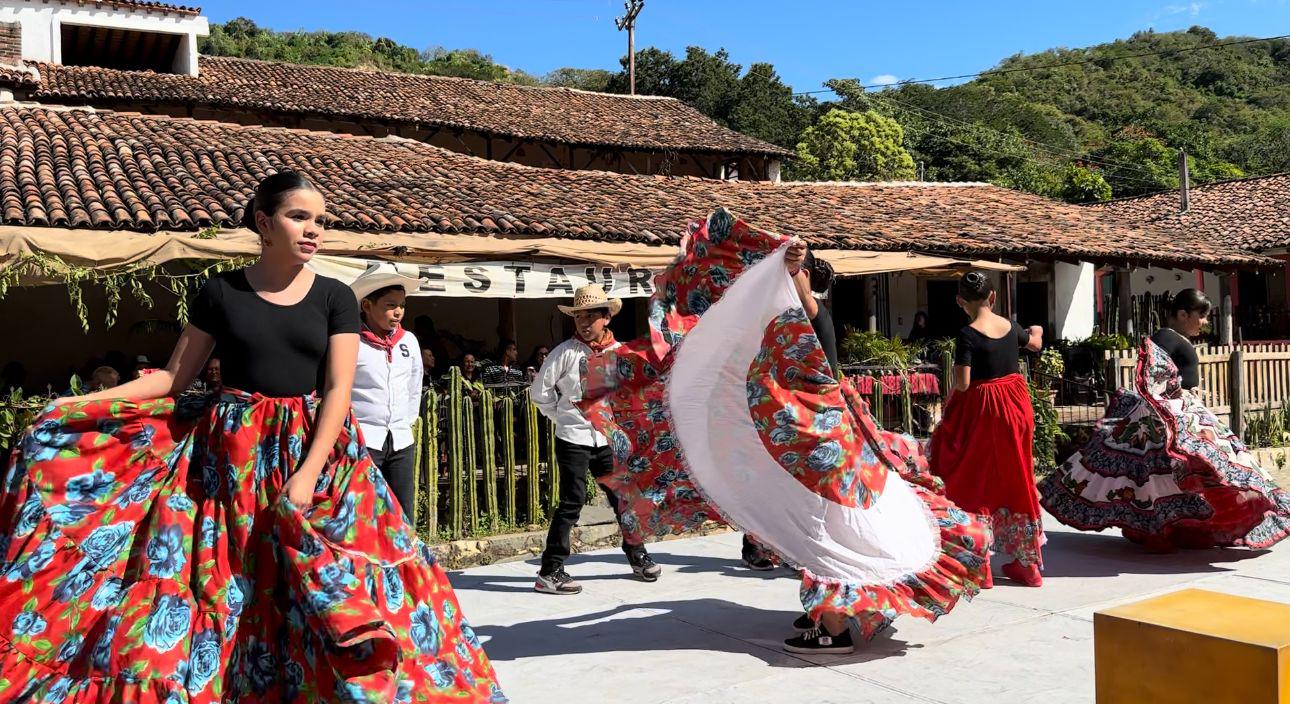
x: 628, y: 22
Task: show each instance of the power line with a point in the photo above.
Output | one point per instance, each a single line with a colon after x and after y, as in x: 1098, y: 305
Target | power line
x: 1042, y: 146
x: 1059, y: 64
x: 925, y: 129
x: 946, y: 138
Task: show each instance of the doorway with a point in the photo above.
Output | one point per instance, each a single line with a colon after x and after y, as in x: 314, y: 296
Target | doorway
x: 1032, y: 304
x: 944, y: 317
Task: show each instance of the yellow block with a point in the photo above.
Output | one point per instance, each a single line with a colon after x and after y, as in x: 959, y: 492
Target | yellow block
x: 1193, y: 646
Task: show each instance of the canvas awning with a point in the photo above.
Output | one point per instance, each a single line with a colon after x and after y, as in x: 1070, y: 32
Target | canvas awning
x: 848, y: 262
x: 439, y: 257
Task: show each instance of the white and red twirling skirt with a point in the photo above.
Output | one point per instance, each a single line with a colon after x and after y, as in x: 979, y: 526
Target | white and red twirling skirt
x: 1164, y: 469
x: 727, y: 412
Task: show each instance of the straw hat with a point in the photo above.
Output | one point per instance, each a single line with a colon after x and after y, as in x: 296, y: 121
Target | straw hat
x: 590, y: 297
x: 380, y: 275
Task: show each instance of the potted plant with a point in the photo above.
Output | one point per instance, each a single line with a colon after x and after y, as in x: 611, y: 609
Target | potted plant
x: 1048, y: 431
x: 1050, y: 368
x: 875, y: 349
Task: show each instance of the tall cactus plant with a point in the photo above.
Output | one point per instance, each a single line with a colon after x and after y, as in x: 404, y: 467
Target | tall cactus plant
x: 508, y: 457
x: 488, y: 447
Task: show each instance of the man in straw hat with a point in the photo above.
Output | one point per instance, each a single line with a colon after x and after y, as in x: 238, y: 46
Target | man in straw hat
x: 387, y: 383
x: 578, y: 446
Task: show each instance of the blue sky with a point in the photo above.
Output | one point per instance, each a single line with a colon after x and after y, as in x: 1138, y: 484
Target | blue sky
x: 808, y: 41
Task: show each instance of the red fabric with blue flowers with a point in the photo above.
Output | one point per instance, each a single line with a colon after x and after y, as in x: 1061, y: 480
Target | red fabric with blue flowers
x: 149, y: 556
x: 819, y: 431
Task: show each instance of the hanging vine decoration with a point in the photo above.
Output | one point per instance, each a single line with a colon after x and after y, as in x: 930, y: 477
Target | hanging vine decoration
x: 114, y: 282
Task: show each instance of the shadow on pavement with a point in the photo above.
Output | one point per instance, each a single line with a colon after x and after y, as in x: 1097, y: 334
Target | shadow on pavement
x: 699, y: 625
x: 672, y: 564
x: 1109, y: 555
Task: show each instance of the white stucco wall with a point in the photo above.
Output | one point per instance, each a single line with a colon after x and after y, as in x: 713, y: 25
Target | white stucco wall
x: 904, y: 294
x: 1157, y: 281
x: 42, y: 27
x: 774, y: 171
x: 1074, y: 300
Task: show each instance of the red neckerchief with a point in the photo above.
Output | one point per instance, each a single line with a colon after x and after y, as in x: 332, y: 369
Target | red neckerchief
x: 605, y: 343
x: 386, y: 343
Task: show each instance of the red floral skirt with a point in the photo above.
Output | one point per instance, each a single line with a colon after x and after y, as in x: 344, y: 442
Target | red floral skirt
x: 1164, y: 469
x: 983, y: 453
x: 149, y: 555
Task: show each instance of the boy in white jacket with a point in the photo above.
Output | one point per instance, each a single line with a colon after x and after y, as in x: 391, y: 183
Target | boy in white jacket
x: 578, y: 446
x: 387, y: 384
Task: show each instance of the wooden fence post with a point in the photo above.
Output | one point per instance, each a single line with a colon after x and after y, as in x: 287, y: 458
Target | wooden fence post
x: 1236, y: 392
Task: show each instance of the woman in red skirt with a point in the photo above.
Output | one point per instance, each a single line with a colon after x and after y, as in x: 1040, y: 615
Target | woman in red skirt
x: 982, y: 450
x: 237, y: 547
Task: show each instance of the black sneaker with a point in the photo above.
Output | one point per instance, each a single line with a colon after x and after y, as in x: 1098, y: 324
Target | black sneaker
x: 803, y: 624
x: 644, y: 567
x: 817, y: 640
x: 558, y: 582
x: 759, y: 562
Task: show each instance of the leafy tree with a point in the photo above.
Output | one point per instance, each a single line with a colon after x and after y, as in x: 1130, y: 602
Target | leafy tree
x: 764, y: 107
x: 707, y: 82
x: 1101, y: 120
x: 757, y: 102
x: 581, y: 78
x: 1137, y: 162
x: 1263, y: 150
x: 241, y: 37
x: 655, y: 74
x: 853, y: 146
x: 1081, y: 184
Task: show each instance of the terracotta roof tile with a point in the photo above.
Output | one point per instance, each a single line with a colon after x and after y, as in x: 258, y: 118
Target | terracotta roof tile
x: 145, y: 5
x: 1250, y: 213
x: 560, y: 115
x: 22, y: 76
x: 81, y: 168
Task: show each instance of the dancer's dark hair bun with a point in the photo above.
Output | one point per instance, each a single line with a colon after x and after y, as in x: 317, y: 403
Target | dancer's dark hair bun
x: 819, y: 271
x: 975, y: 286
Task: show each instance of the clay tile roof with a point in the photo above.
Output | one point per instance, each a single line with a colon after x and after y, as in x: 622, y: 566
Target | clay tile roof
x: 144, y: 5
x: 81, y: 168
x: 551, y: 114
x: 21, y: 76
x: 1249, y: 213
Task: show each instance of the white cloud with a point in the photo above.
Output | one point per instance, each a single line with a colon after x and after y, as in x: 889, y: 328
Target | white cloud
x: 1192, y: 8
x: 885, y: 79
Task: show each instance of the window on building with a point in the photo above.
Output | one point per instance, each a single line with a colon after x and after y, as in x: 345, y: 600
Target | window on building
x: 124, y: 49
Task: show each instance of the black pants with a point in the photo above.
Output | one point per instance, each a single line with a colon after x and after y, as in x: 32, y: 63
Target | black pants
x: 575, y: 461
x: 399, y: 470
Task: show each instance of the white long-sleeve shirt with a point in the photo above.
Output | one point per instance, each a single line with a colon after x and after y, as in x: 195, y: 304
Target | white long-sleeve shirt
x: 558, y: 387
x: 387, y: 394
